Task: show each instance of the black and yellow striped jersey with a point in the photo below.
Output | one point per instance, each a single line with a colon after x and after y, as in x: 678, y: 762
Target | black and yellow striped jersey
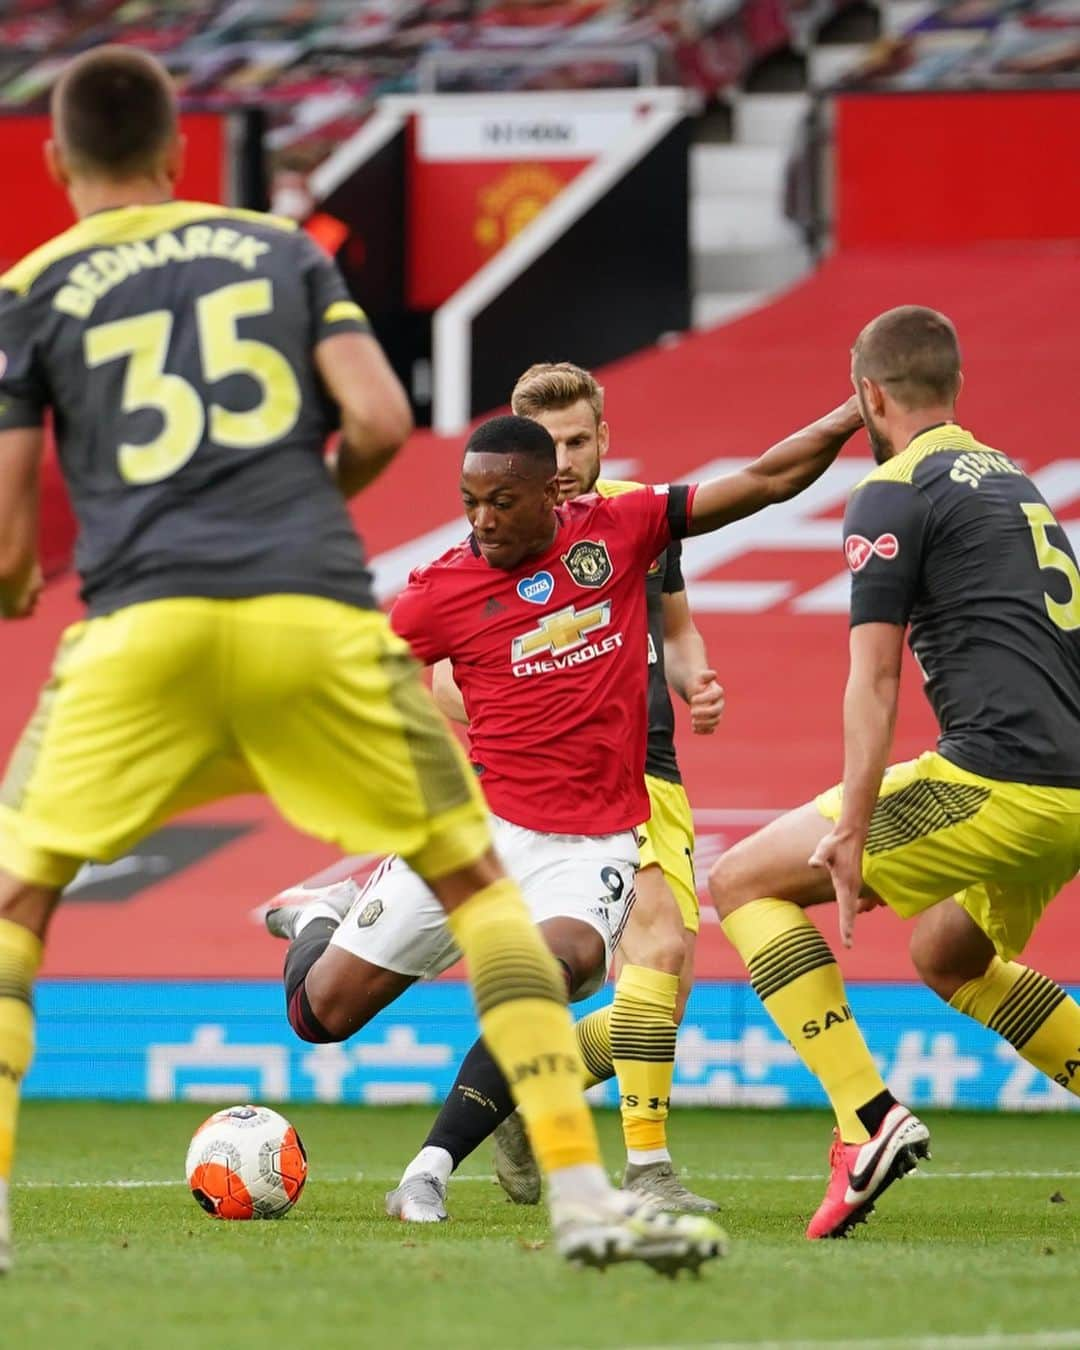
x: 174, y: 345
x: 954, y: 539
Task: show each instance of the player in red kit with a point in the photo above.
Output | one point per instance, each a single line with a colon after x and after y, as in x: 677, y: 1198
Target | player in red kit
x: 542, y: 613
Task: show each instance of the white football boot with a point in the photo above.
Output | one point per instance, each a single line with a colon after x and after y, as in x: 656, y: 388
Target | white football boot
x: 331, y: 902
x: 620, y: 1227
x: 419, y: 1199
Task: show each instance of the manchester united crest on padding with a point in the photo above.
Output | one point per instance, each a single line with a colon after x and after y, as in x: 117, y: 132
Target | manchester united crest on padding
x: 369, y: 914
x: 588, y: 563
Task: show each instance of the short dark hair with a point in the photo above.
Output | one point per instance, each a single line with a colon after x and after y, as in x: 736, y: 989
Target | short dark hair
x: 114, y: 112
x: 516, y: 436
x: 913, y: 352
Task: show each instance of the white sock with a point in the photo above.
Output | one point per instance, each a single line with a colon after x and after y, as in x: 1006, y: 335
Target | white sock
x: 430, y: 1159
x: 585, y: 1181
x: 317, y: 909
x: 641, y: 1157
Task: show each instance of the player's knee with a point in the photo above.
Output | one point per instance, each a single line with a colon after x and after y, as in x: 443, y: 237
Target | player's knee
x: 662, y: 950
x: 580, y: 963
x: 729, y: 884
x: 26, y: 904
x: 654, y: 932
x: 940, y: 967
x: 318, y: 1021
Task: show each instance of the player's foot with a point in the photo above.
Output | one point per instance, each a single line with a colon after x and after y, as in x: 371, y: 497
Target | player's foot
x: 281, y: 914
x: 623, y: 1227
x: 860, y: 1172
x: 515, y: 1165
x: 419, y: 1199
x: 660, y: 1182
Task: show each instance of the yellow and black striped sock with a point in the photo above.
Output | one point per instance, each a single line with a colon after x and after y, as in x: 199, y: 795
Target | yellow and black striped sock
x: 643, y: 1053
x: 1035, y: 1015
x: 594, y: 1046
x: 795, y: 975
x: 521, y: 1000
x: 20, y: 955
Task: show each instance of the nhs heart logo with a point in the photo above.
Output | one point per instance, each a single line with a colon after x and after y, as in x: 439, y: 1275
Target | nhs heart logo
x: 537, y: 589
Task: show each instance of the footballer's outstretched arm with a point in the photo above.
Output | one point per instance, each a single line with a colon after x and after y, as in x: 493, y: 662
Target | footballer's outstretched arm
x: 20, y: 576
x: 446, y: 694
x: 781, y: 472
x: 375, y: 415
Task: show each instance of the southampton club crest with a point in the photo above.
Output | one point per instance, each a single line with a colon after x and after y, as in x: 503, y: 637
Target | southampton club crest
x: 588, y: 563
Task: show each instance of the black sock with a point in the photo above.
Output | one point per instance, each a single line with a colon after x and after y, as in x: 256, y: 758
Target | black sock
x: 875, y: 1111
x: 303, y: 952
x: 479, y: 1101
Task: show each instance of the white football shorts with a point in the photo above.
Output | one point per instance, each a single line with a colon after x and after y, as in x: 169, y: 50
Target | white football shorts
x: 397, y: 923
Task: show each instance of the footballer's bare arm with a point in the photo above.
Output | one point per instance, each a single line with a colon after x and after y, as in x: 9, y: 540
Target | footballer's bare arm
x: 375, y: 415
x: 686, y: 664
x: 781, y: 472
x: 20, y: 576
x: 446, y: 694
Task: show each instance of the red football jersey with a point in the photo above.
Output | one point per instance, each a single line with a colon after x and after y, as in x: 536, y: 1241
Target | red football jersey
x: 550, y: 660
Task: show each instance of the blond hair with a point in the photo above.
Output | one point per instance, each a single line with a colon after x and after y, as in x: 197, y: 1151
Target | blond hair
x: 556, y: 384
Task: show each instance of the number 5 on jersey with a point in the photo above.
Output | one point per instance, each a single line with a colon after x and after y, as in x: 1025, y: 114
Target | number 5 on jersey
x: 144, y: 340
x: 1040, y: 519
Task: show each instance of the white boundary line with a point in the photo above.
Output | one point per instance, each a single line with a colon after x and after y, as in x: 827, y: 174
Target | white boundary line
x: 988, y: 1340
x: 388, y: 1179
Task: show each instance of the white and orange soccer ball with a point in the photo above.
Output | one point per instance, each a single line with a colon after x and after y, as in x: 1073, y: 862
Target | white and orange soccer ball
x: 246, y: 1162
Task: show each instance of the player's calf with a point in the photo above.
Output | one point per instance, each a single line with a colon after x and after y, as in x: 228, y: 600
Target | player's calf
x: 329, y: 993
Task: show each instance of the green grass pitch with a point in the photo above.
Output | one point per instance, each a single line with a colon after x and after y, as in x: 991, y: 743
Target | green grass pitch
x: 973, y: 1254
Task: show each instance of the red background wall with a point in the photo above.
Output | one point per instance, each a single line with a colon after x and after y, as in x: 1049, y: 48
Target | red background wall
x: 37, y: 209
x: 957, y: 168
x: 42, y: 211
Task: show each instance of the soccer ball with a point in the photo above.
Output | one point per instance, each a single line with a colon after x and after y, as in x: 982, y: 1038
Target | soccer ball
x: 246, y: 1162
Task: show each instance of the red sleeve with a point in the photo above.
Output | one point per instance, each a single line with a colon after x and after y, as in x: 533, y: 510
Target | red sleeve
x: 413, y: 618
x: 653, y: 517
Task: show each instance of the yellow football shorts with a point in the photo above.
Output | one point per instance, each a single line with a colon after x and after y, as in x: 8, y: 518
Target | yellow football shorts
x: 1003, y: 850
x: 667, y: 840
x: 173, y: 703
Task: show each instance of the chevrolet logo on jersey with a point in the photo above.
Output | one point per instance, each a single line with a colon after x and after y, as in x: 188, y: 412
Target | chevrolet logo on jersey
x: 561, y: 632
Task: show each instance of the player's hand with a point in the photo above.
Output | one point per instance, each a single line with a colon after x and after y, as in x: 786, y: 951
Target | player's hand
x: 848, y: 416
x: 841, y: 852
x: 706, y: 700
x: 22, y: 605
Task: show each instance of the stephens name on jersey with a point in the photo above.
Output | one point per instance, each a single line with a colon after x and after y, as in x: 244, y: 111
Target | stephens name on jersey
x: 548, y: 658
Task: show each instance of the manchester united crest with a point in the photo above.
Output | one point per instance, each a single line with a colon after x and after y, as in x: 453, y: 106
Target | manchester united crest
x: 369, y: 914
x: 588, y: 563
